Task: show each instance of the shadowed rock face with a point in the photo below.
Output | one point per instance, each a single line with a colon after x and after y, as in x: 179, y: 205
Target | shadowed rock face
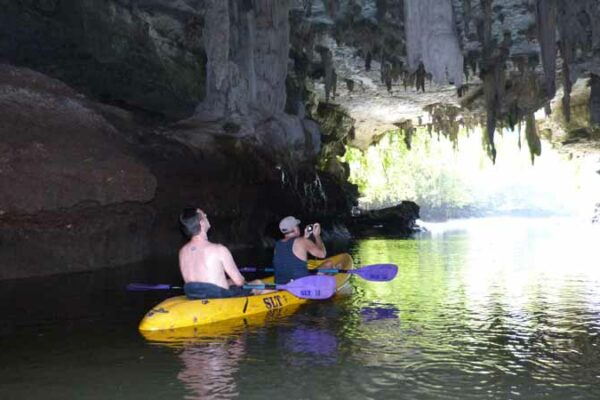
x: 72, y: 193
x: 84, y: 185
x: 57, y: 152
x: 144, y: 54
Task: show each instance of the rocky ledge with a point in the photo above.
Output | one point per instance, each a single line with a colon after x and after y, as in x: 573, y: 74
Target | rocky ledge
x: 85, y: 185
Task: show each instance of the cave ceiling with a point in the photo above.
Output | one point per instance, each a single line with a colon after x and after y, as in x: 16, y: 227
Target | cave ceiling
x: 270, y: 69
x: 496, y: 61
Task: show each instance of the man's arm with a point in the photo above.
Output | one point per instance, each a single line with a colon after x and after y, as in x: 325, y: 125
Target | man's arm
x: 316, y: 248
x: 230, y: 268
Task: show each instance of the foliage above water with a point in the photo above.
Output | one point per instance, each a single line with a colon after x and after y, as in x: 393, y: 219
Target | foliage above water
x: 451, y: 177
x: 388, y: 172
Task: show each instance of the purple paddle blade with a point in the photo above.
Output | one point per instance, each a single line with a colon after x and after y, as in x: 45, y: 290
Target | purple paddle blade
x: 317, y: 287
x: 138, y: 287
x: 377, y: 272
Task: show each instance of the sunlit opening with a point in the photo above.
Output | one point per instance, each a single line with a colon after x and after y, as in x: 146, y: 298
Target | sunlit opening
x: 454, y: 180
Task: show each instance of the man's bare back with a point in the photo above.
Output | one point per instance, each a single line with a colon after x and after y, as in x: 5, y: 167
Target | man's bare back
x: 205, y: 266
x: 203, y: 261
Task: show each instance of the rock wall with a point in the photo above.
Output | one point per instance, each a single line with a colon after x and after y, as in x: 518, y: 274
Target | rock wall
x: 247, y: 46
x: 137, y: 54
x: 73, y: 195
x: 84, y: 185
x: 57, y: 152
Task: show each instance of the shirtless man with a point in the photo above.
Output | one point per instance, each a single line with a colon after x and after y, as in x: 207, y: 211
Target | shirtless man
x: 204, y: 265
x: 291, y: 253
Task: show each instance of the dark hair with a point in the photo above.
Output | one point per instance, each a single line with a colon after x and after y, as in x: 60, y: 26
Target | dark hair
x: 190, y: 220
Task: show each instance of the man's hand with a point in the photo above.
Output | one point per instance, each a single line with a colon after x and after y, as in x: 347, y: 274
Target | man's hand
x: 316, y: 229
x: 307, y: 231
x: 316, y: 248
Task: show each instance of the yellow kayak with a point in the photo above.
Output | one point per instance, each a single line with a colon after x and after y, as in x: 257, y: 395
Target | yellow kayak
x: 219, y: 330
x: 181, y: 312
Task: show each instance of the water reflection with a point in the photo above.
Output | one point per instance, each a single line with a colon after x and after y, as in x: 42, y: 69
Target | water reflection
x: 488, y: 309
x: 497, y: 309
x: 209, y: 369
x: 306, y: 346
x: 378, y: 312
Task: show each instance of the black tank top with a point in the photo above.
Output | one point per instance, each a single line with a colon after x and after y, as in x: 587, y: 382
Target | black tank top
x: 285, y: 263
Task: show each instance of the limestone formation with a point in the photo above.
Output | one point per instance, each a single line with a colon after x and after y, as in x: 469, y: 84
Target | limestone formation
x: 431, y: 39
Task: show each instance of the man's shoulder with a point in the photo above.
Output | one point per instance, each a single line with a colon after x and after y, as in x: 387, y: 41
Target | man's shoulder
x: 217, y: 247
x: 184, y: 247
x: 301, y: 241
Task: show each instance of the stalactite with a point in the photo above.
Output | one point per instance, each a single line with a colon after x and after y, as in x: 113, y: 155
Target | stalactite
x: 381, y: 9
x: 330, y: 75
x: 467, y: 16
x: 566, y: 52
x: 307, y: 4
x: 349, y: 84
x: 331, y: 6
x: 408, y: 135
x: 594, y: 103
x: 247, y: 48
x: 513, y: 116
x: 368, y: 61
x: 592, y: 9
x: 431, y: 38
x: 444, y: 120
x: 566, y: 44
x: 334, y: 83
x: 546, y: 24
x: 492, y: 75
x: 420, y: 77
x: 533, y: 139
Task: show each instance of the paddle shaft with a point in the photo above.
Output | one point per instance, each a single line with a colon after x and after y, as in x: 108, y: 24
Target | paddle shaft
x: 309, y: 287
x: 375, y: 272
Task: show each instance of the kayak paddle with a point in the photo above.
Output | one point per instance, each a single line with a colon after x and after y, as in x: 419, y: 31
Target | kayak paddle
x: 375, y: 272
x: 310, y: 287
x: 140, y: 287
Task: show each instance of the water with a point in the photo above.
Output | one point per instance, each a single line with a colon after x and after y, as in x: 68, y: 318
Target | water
x: 481, y: 309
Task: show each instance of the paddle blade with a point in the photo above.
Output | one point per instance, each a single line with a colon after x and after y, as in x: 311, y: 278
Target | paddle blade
x: 139, y: 287
x: 377, y: 272
x: 318, y: 287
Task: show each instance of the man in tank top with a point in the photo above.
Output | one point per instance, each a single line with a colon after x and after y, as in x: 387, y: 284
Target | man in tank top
x: 291, y: 253
x: 204, y: 265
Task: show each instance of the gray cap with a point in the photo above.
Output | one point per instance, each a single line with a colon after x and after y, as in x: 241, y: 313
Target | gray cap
x: 288, y: 224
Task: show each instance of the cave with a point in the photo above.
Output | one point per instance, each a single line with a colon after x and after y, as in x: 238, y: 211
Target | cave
x: 116, y: 115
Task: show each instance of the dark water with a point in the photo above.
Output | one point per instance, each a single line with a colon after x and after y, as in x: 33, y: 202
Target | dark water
x: 498, y: 309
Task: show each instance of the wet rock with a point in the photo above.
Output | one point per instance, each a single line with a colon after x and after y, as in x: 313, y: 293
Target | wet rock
x: 399, y: 220
x: 138, y: 54
x: 57, y: 152
x: 76, y: 240
x: 72, y: 193
x: 80, y: 193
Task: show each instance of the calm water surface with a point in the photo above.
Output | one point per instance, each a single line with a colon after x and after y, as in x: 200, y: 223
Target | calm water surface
x: 481, y: 309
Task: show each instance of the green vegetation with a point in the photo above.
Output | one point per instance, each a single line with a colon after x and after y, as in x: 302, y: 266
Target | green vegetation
x: 453, y: 177
x: 388, y: 172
